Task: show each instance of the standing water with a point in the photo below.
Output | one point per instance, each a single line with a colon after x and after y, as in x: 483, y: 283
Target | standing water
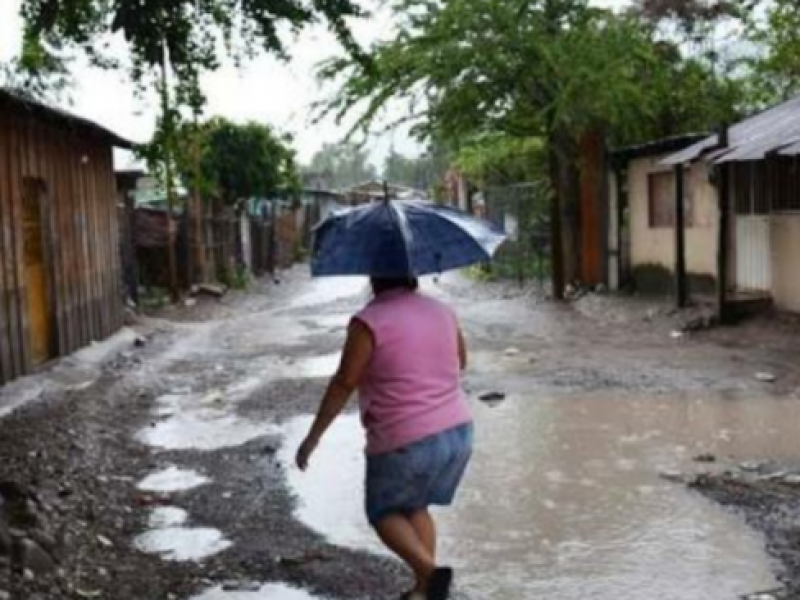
x: 564, y: 500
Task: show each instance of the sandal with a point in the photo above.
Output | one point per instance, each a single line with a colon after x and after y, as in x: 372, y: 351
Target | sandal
x: 439, y: 584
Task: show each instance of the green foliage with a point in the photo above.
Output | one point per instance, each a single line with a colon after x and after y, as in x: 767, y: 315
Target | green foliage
x: 421, y: 173
x: 299, y: 252
x: 41, y: 71
x: 527, y: 70
x: 243, y: 161
x: 233, y: 162
x: 346, y: 164
x: 241, y: 278
x: 498, y: 159
x: 191, y: 34
x: 776, y: 65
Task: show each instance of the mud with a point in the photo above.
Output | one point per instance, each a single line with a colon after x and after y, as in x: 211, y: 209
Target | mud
x: 216, y: 382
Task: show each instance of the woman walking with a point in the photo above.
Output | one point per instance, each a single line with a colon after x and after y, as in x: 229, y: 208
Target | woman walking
x: 404, y: 354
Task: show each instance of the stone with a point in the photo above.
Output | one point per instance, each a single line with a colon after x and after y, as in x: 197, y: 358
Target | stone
x: 269, y: 450
x: 241, y: 586
x: 105, y: 541
x: 214, y: 398
x: 705, y: 458
x: 766, y: 377
x: 511, y: 351
x: 4, y: 595
x: 45, y: 541
x: 33, y: 558
x: 208, y: 289
x: 139, y: 342
x: 751, y: 467
x: 673, y: 476
x: 492, y: 397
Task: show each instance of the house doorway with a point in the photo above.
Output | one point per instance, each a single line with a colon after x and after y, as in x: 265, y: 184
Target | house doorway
x: 34, y: 199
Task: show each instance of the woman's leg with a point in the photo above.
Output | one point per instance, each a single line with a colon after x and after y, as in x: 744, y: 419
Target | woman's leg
x: 423, y: 524
x: 399, y: 535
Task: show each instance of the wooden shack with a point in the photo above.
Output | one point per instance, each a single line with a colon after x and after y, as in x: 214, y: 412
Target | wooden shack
x: 60, y: 279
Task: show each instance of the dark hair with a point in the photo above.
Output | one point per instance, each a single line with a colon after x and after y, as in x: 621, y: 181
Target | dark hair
x: 386, y: 284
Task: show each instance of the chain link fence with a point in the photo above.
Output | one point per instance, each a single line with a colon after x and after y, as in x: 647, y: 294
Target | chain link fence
x: 522, y: 210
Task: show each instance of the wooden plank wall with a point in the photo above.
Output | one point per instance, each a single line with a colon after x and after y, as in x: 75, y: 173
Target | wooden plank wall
x: 81, y: 239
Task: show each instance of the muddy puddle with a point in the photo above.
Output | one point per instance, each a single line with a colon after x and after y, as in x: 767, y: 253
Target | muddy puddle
x: 331, y: 289
x: 182, y: 544
x: 564, y: 498
x: 205, y: 421
x: 280, y: 367
x: 172, y: 479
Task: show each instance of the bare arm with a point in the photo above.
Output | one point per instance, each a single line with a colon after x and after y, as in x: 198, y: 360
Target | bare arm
x: 462, y: 350
x: 355, y: 359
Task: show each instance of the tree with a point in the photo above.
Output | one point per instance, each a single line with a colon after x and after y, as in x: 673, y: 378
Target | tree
x: 40, y: 72
x: 554, y: 70
x: 346, y: 163
x: 498, y: 159
x: 189, y: 36
x: 422, y: 172
x: 234, y: 162
x: 231, y: 163
x: 180, y: 39
x: 776, y: 63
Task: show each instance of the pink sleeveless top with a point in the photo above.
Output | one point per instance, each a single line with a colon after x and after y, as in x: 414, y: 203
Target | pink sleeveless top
x: 412, y: 387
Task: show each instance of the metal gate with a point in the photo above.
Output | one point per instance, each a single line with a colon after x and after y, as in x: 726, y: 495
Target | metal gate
x: 753, y: 261
x: 522, y: 210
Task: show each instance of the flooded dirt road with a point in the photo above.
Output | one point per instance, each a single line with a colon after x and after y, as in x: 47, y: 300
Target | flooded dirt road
x: 564, y: 498
x: 191, y: 439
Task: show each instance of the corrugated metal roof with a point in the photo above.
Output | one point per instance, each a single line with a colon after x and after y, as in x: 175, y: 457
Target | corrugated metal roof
x: 692, y: 152
x: 792, y: 150
x: 772, y: 130
x: 655, y: 147
x: 23, y: 102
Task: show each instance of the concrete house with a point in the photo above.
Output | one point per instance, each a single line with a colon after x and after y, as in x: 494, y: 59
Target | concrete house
x: 734, y: 221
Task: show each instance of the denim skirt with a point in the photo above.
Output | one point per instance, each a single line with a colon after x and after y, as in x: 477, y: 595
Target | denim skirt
x: 422, y: 474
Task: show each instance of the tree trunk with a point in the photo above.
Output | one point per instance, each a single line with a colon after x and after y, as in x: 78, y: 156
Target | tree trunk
x: 556, y: 241
x: 564, y: 224
x: 238, y: 239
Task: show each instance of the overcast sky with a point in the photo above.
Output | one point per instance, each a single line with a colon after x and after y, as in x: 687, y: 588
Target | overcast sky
x: 263, y: 90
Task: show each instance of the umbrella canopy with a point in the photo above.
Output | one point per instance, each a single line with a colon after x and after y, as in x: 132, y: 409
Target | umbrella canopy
x: 401, y: 238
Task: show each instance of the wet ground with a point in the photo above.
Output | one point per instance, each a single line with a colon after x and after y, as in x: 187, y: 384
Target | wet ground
x: 167, y: 476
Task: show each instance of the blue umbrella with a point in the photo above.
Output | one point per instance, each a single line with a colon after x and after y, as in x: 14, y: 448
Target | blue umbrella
x: 401, y: 238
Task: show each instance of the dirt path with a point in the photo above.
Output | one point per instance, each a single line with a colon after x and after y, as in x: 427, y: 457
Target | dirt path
x: 206, y: 392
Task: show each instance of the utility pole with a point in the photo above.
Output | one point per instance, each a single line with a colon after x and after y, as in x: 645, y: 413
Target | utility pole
x: 723, y: 250
x: 681, y: 287
x: 198, y: 239
x: 169, y: 182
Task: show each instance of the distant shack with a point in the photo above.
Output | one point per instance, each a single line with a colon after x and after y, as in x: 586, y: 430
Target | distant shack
x: 60, y: 278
